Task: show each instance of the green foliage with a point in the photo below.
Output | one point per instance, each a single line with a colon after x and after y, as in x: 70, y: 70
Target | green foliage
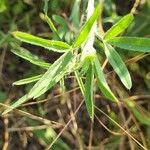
x: 81, y: 57
x: 75, y: 14
x: 47, y: 136
x: 2, y: 96
x: 101, y: 81
x: 55, y: 72
x: 132, y: 43
x: 80, y: 82
x: 119, y: 27
x: 51, y: 25
x: 2, y: 6
x: 140, y: 114
x: 118, y: 65
x: 89, y: 90
x: 86, y: 28
x: 16, y: 104
x: 27, y: 55
x: 57, y: 46
x: 28, y: 80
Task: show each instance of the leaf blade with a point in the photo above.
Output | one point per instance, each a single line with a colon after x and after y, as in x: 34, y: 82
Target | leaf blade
x: 141, y: 114
x: 131, y: 43
x: 57, y: 46
x: 118, y: 65
x: 80, y: 82
x: 101, y: 81
x: 27, y: 55
x: 82, y: 36
x: 16, y: 104
x: 89, y: 101
x: 52, y: 76
x: 43, y: 85
x: 119, y: 27
x: 28, y: 80
x: 52, y: 27
x: 75, y: 13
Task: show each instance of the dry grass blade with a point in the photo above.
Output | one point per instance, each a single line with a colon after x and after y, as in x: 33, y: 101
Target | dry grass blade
x: 141, y: 134
x: 136, y: 58
x: 34, y: 117
x: 91, y: 135
x: 121, y: 128
x: 31, y: 128
x: 6, y: 134
x: 48, y: 99
x: 112, y: 132
x: 60, y: 133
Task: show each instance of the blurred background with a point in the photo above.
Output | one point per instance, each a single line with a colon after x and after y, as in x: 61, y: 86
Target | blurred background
x: 35, y: 124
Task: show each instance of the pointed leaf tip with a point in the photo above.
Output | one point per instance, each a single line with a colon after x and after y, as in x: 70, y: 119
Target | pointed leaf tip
x: 57, y: 46
x: 89, y: 101
x: 101, y: 81
x: 119, y: 27
x: 118, y: 65
x: 82, y: 36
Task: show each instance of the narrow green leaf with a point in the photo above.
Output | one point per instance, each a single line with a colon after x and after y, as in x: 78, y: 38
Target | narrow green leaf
x: 84, y: 65
x: 56, y: 71
x: 101, y: 81
x: 45, y: 6
x: 119, y: 27
x: 75, y: 14
x: 89, y: 91
x: 60, y: 20
x: 118, y: 65
x: 87, y: 28
x: 52, y: 27
x: 57, y: 46
x: 131, y: 43
x: 49, y: 79
x: 16, y: 104
x: 141, y: 114
x: 28, y: 80
x: 27, y: 55
x: 80, y: 82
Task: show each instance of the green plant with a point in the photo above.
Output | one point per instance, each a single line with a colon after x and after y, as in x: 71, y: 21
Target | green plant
x: 2, y: 6
x: 81, y: 57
